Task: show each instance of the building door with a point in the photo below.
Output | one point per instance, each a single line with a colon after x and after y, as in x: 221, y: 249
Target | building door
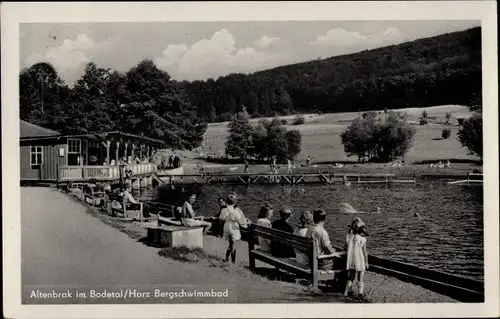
x: 74, y: 152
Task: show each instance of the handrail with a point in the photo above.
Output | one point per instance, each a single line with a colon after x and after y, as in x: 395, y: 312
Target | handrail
x: 102, y: 172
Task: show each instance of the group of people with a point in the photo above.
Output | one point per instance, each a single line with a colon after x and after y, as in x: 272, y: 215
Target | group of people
x: 172, y: 161
x: 128, y: 161
x: 440, y: 164
x: 231, y: 220
x: 311, y: 225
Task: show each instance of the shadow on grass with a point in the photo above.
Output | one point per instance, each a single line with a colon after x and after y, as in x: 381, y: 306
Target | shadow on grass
x: 145, y: 241
x: 437, y: 139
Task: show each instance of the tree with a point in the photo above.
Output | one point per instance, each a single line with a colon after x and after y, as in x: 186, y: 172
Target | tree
x: 471, y: 134
x: 91, y: 106
x: 378, y: 140
x: 42, y: 96
x: 357, y: 138
x: 160, y: 108
x: 239, y: 141
x: 271, y: 138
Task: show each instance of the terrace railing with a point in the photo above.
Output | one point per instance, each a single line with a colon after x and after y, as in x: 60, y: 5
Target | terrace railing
x: 102, y: 172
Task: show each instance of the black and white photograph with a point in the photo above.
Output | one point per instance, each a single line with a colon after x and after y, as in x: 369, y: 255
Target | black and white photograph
x: 251, y: 161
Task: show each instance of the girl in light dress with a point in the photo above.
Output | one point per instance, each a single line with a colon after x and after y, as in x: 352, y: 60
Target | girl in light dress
x: 233, y: 218
x: 265, y: 215
x: 357, y: 256
x: 306, y: 221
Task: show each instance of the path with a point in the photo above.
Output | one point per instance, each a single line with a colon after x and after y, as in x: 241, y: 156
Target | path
x: 62, y: 245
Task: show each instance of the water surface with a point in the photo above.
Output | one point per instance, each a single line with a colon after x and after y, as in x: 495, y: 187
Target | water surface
x: 431, y: 225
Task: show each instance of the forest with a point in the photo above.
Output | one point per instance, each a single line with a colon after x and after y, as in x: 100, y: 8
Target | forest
x: 445, y: 69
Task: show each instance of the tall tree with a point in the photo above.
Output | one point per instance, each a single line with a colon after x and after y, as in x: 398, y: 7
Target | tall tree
x: 160, y: 107
x: 42, y: 95
x: 91, y: 106
x: 239, y: 141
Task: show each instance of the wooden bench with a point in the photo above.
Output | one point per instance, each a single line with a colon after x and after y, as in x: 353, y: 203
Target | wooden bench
x: 127, y: 210
x: 93, y: 195
x: 306, y: 245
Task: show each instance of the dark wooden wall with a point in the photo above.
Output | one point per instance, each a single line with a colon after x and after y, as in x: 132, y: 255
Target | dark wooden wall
x: 51, y: 160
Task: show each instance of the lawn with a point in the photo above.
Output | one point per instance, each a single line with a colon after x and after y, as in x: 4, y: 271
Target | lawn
x: 321, y: 136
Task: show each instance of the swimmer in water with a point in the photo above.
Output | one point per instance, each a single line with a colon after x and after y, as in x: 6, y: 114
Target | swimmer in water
x: 348, y: 209
x: 346, y: 181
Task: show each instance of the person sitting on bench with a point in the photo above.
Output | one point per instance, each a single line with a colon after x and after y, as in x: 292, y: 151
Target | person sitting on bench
x: 319, y: 234
x: 188, y: 215
x: 279, y: 249
x: 124, y: 194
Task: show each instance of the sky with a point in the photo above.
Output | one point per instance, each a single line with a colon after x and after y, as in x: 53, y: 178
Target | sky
x: 201, y: 50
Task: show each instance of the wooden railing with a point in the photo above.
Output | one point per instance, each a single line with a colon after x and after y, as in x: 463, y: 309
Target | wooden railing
x: 103, y: 172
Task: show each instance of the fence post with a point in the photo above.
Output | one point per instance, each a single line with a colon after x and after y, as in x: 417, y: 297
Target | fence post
x: 468, y: 174
x: 386, y: 181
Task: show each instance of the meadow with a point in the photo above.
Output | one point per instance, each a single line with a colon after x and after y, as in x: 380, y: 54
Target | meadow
x: 321, y: 136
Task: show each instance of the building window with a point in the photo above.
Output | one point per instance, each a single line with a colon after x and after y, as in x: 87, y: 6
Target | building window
x: 36, y: 154
x: 74, y: 151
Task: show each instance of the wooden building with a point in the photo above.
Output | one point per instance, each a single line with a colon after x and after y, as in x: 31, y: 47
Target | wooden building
x: 47, y: 155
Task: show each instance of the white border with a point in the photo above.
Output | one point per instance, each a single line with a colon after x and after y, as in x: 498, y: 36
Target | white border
x: 14, y: 13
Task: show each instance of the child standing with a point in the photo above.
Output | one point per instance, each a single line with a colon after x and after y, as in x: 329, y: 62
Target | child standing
x: 357, y: 256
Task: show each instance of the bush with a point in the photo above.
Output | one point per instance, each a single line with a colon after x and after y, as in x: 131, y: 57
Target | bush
x: 423, y: 121
x: 284, y: 122
x: 445, y: 134
x: 471, y: 134
x: 225, y: 117
x: 374, y: 140
x: 424, y: 114
x: 319, y: 112
x: 299, y: 120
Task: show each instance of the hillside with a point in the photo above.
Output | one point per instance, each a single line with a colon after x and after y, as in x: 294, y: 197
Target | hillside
x: 444, y: 69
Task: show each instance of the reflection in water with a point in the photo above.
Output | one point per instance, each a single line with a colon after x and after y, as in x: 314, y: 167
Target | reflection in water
x: 430, y: 225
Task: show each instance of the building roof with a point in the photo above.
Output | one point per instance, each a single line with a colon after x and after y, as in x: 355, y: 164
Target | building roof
x: 31, y: 130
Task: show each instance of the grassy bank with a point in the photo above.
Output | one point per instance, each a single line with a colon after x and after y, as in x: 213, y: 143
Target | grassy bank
x: 321, y: 140
x: 268, y: 285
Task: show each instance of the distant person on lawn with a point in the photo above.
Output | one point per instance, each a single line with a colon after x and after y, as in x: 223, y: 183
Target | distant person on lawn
x: 279, y: 249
